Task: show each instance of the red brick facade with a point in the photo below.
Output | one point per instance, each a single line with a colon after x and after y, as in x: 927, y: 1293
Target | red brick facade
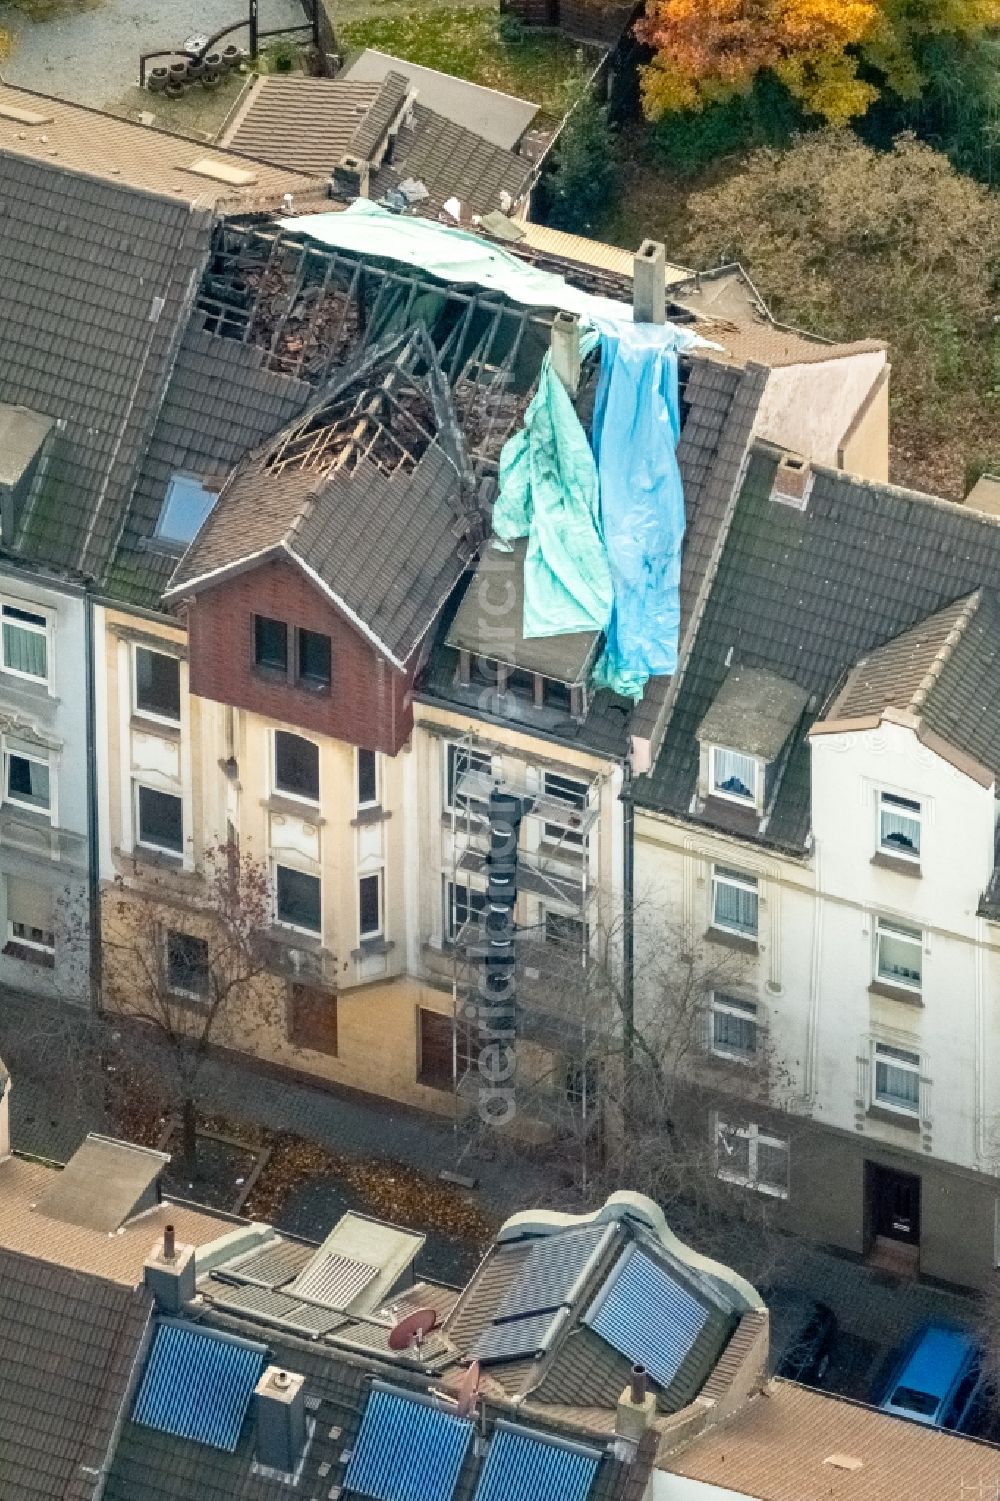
x: 369, y: 702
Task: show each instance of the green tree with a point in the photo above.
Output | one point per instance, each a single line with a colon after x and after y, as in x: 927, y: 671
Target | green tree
x: 855, y: 243
x: 582, y: 183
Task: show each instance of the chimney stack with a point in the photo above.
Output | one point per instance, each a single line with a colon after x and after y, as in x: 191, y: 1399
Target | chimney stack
x: 169, y: 1273
x: 281, y: 1419
x: 564, y: 347
x: 350, y: 178
x: 636, y: 1407
x: 649, y: 283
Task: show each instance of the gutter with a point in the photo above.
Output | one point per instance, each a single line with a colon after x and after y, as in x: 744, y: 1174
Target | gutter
x: 93, y: 820
x: 628, y: 939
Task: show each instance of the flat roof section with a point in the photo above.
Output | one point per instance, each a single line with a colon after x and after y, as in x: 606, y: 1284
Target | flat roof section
x: 496, y: 117
x: 490, y: 623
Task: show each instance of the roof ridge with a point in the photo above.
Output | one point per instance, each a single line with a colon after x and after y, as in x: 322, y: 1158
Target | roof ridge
x: 944, y: 652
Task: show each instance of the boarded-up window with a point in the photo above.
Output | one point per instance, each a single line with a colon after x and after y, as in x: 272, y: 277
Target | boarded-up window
x: 30, y: 920
x: 443, y: 1044
x: 312, y: 1019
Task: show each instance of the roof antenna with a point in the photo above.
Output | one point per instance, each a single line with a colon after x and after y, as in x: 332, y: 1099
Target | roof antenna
x: 288, y: 203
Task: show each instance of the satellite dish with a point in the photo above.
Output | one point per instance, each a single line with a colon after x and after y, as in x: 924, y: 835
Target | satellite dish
x: 411, y: 1330
x: 468, y: 1390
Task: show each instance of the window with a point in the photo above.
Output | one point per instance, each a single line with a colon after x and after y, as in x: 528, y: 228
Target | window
x: 187, y: 965
x: 27, y: 780
x: 30, y: 920
x: 368, y: 790
x: 296, y: 766
x: 752, y: 1157
x: 899, y: 826
x: 370, y: 906
x: 185, y: 509
x: 157, y: 685
x: 734, y: 901
x: 270, y: 643
x: 463, y: 760
x: 448, y: 1049
x: 566, y: 932
x: 160, y: 820
x: 897, y: 1079
x: 312, y: 1019
x: 314, y: 659
x: 25, y: 643
x: 298, y: 899
x: 898, y: 954
x: 461, y: 903
x: 733, y: 775
x: 573, y: 793
x: 734, y: 1026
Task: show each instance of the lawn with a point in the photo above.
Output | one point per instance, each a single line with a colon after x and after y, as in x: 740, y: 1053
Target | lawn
x: 478, y: 45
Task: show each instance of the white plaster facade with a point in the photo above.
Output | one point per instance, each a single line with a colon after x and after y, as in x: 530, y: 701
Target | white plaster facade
x: 831, y: 1000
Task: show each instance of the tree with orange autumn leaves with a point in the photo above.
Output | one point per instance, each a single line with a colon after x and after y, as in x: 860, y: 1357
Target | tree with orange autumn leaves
x: 831, y: 55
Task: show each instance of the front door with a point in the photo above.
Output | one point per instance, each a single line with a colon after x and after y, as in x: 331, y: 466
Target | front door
x: 893, y: 1204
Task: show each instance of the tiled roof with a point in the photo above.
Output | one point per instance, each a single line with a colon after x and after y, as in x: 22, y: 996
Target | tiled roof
x: 793, y: 1444
x: 452, y: 161
x: 93, y: 298
x: 68, y: 1344
x: 118, y: 1258
x: 386, y: 545
x: 497, y: 117
x: 304, y: 123
x: 220, y: 405
x: 806, y: 594
x: 52, y: 133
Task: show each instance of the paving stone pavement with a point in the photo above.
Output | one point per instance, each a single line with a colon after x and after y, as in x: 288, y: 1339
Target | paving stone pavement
x: 90, y: 55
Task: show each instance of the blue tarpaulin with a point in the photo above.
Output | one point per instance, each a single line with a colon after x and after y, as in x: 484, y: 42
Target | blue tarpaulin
x: 635, y: 433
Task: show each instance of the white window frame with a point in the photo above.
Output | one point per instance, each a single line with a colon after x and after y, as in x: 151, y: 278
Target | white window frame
x: 282, y: 922
x: 754, y: 1135
x: 907, y: 934
x: 908, y: 1061
x: 12, y: 799
x: 151, y: 714
x: 296, y: 797
x: 491, y: 768
x: 373, y: 802
x: 725, y: 875
x: 374, y: 934
x: 146, y: 844
x: 724, y: 1004
x: 46, y: 631
x: 906, y: 807
x: 752, y: 800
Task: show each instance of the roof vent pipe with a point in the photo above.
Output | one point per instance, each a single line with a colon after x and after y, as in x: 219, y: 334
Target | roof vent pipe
x: 638, y: 1384
x: 168, y: 1243
x: 649, y: 283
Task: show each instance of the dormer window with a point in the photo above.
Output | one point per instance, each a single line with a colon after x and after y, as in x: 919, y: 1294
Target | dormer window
x: 734, y: 775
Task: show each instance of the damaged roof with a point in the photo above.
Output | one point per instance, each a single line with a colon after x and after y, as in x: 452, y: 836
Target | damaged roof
x: 499, y: 118
x: 806, y: 594
x: 368, y: 490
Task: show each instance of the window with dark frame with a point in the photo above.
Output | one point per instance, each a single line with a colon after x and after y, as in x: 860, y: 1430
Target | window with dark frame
x: 160, y: 818
x: 367, y: 779
x: 270, y: 643
x: 566, y: 790
x: 157, y: 684
x: 444, y: 1046
x: 298, y: 899
x: 462, y: 759
x: 28, y: 782
x: 296, y: 766
x: 187, y: 964
x: 314, y: 659
x: 461, y: 902
x: 566, y: 932
x: 312, y: 1019
x: 370, y: 906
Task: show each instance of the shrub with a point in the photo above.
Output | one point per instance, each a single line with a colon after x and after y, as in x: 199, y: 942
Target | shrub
x: 582, y: 182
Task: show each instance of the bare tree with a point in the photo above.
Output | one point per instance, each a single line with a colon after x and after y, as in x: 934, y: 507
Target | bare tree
x: 189, y: 965
x: 614, y: 1091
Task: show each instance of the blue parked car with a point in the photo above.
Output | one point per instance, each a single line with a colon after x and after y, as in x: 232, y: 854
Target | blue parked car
x: 937, y: 1380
